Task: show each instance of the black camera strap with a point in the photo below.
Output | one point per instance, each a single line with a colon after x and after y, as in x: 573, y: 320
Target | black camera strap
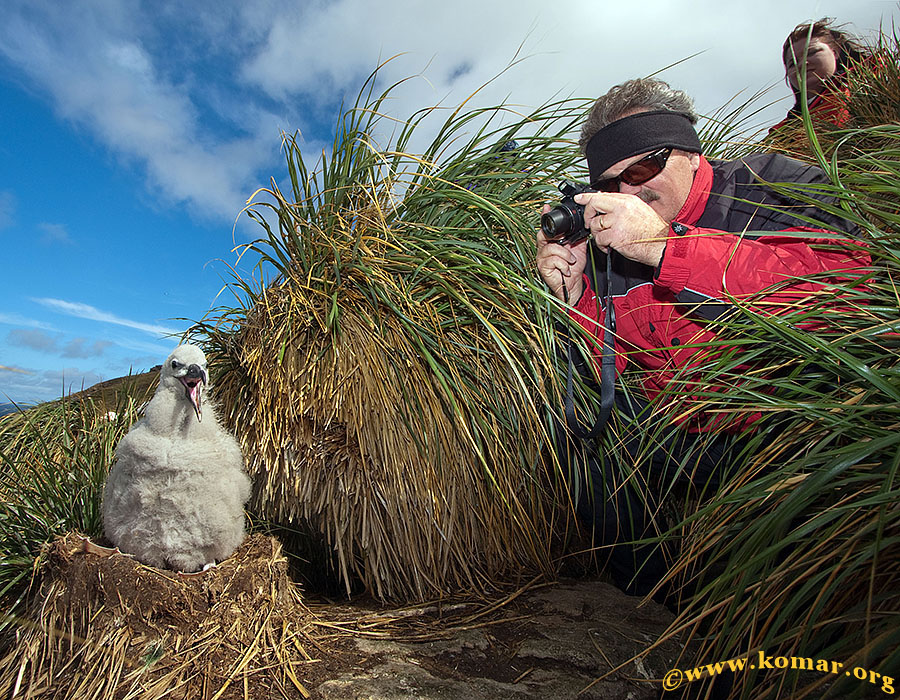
x: 607, y: 366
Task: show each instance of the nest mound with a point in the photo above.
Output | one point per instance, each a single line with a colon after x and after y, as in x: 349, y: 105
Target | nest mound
x: 111, y: 627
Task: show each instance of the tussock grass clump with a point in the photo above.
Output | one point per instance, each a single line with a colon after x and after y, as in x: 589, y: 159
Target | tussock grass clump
x: 798, y: 554
x: 391, y: 383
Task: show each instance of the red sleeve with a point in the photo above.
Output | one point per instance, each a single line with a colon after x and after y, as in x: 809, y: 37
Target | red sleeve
x: 723, y: 265
x: 590, y: 313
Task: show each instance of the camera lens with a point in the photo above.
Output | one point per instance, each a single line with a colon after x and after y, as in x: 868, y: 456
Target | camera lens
x: 557, y: 222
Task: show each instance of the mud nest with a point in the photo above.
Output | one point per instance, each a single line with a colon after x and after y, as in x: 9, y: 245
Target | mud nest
x: 110, y: 627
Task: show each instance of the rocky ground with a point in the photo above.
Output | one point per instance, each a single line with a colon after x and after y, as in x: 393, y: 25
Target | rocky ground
x: 564, y: 640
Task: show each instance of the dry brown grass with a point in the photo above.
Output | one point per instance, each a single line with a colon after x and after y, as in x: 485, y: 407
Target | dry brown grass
x: 105, y: 627
x: 354, y: 435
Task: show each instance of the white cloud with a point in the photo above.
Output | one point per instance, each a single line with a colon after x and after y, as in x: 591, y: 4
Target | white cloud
x: 69, y: 379
x: 154, y: 353
x: 80, y: 310
x: 326, y: 54
x: 55, y: 234
x: 201, y: 117
x: 15, y: 319
x: 89, y: 58
x: 313, y: 53
x: 132, y: 59
x: 584, y: 47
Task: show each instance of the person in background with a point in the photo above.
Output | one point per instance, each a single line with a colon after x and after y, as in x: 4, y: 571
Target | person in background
x: 826, y: 54
x: 678, y: 237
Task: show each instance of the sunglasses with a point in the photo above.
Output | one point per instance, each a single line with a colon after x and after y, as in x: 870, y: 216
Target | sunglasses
x: 637, y: 173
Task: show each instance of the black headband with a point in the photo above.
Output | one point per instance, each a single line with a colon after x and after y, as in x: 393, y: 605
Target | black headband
x: 639, y: 133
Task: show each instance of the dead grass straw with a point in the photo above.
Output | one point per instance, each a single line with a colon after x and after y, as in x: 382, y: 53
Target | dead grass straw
x: 110, y: 627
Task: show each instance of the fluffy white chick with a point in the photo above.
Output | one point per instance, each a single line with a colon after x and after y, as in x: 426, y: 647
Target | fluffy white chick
x: 175, y: 495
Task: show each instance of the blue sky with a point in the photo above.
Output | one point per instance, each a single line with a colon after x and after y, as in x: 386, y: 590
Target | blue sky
x: 132, y: 133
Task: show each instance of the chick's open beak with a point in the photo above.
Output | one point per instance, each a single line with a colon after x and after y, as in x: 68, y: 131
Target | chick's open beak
x: 193, y: 387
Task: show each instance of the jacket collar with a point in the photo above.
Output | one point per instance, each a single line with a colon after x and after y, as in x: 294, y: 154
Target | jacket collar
x: 696, y: 200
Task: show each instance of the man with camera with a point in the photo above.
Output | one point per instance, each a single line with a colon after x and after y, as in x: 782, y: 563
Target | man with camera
x: 679, y: 237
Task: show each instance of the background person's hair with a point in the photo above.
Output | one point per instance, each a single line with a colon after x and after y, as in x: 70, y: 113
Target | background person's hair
x: 844, y: 44
x: 640, y: 94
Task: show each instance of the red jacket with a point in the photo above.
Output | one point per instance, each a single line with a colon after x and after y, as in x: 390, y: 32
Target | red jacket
x: 828, y: 106
x: 654, y: 327
x: 831, y: 105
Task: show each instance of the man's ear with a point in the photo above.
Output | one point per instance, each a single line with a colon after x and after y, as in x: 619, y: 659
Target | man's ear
x: 694, y: 159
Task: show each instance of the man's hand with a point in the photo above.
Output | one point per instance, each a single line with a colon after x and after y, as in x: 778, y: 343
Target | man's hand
x: 569, y: 260
x: 625, y: 223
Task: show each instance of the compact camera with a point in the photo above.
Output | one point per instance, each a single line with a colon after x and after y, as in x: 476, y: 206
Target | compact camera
x: 564, y: 224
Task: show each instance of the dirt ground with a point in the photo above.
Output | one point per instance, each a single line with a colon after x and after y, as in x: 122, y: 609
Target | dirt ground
x: 566, y: 639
